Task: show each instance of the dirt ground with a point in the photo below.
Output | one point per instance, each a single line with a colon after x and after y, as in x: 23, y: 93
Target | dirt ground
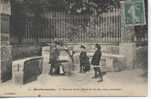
x: 125, y: 83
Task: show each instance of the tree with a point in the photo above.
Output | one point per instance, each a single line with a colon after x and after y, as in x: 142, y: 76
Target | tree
x: 38, y: 7
x: 93, y: 7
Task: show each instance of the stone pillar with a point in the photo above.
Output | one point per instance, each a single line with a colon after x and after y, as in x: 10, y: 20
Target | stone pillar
x: 127, y: 47
x: 5, y: 48
x: 46, y: 55
x: 109, y: 64
x: 129, y: 51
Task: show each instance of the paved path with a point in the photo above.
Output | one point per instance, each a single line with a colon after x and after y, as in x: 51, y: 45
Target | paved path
x: 123, y: 83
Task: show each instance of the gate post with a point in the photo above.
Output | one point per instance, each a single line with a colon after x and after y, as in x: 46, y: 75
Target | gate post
x: 127, y: 47
x: 45, y: 55
x: 5, y: 48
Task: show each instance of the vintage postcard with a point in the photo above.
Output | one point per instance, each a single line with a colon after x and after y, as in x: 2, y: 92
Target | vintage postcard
x: 73, y: 48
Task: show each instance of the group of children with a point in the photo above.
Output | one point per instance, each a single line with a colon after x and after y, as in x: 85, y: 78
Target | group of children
x: 95, y: 62
x: 85, y: 64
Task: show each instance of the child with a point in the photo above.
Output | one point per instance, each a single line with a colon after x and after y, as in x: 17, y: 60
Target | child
x: 96, y: 63
x: 84, y: 60
x: 54, y: 54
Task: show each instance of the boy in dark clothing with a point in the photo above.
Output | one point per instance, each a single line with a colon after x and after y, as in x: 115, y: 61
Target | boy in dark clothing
x: 84, y: 60
x: 96, y: 63
x: 54, y: 54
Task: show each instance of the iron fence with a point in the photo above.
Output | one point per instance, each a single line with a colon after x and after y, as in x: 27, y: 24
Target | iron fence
x: 70, y: 28
x: 105, y: 29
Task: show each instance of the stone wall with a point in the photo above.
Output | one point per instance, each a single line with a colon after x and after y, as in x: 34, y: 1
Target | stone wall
x: 109, y: 48
x: 26, y: 70
x: 142, y: 57
x: 45, y: 55
x: 106, y: 48
x: 23, y: 51
x: 129, y: 51
x: 5, y: 48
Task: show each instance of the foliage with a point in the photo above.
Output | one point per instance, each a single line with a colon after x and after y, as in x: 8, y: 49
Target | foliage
x: 94, y: 7
x: 37, y: 7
